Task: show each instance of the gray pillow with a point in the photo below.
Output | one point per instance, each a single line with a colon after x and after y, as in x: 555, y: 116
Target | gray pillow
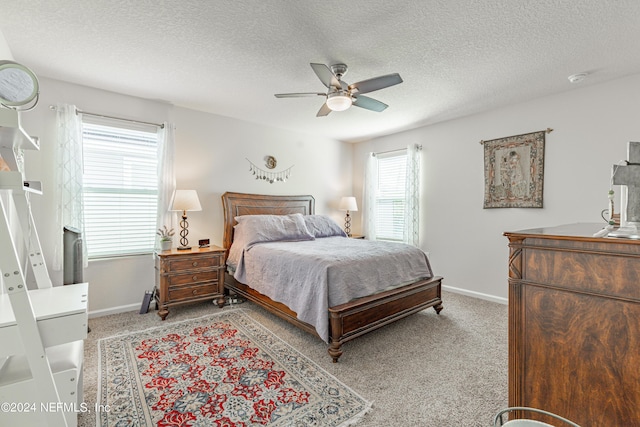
x: 323, y: 226
x: 271, y: 228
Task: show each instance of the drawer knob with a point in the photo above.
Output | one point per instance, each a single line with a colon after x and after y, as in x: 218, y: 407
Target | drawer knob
x: 194, y: 278
x: 195, y: 263
x: 195, y: 291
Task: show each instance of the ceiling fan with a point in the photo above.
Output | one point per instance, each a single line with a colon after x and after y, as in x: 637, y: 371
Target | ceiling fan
x: 340, y: 95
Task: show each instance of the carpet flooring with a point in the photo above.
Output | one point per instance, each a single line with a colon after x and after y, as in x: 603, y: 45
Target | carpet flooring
x: 426, y: 370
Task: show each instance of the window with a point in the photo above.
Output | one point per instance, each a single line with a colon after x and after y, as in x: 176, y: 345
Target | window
x: 120, y: 187
x: 390, y: 196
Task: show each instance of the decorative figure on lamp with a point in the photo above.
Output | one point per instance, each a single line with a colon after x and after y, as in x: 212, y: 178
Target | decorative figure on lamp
x: 348, y: 203
x: 185, y: 200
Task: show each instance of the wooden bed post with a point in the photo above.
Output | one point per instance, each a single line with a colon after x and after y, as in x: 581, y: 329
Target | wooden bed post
x: 335, y: 327
x: 334, y: 351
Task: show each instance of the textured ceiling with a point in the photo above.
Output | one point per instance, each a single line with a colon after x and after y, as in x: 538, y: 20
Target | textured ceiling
x: 457, y: 57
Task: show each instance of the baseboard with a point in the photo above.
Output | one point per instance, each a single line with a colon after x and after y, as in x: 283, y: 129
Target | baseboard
x: 493, y: 298
x: 114, y: 310
x: 136, y: 306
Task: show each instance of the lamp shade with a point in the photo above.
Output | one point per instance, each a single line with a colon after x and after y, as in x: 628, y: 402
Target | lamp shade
x: 338, y: 102
x: 348, y: 203
x: 186, y: 200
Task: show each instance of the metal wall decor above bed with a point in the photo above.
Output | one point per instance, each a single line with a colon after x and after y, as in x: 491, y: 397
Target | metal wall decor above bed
x: 269, y: 176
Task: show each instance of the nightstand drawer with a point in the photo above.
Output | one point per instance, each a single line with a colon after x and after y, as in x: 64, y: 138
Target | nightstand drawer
x: 198, y: 262
x: 193, y: 277
x: 190, y: 292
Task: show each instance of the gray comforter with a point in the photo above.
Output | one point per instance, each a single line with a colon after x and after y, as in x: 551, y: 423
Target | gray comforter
x: 311, y: 276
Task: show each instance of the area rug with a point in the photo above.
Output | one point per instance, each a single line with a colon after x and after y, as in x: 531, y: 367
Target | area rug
x: 221, y: 370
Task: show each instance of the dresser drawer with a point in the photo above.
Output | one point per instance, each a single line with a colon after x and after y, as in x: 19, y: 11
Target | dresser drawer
x: 606, y: 274
x: 192, y: 277
x: 195, y: 262
x: 191, y: 292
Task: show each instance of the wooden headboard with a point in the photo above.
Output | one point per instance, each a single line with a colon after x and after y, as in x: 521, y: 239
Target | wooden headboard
x: 237, y: 204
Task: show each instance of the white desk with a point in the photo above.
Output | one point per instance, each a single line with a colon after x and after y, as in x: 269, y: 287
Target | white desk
x: 61, y: 315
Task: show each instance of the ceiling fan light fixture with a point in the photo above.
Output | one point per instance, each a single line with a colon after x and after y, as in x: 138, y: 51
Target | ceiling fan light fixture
x: 339, y: 101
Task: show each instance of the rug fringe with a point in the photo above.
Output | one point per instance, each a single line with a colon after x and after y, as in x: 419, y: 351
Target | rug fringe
x: 357, y: 418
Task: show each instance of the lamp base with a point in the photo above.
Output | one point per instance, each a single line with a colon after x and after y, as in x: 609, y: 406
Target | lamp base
x: 184, y: 225
x: 631, y: 230
x: 347, y: 224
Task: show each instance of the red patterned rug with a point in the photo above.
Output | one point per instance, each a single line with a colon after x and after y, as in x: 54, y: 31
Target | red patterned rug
x: 221, y: 370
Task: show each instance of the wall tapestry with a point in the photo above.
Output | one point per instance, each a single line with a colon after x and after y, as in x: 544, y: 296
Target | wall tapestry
x: 514, y: 171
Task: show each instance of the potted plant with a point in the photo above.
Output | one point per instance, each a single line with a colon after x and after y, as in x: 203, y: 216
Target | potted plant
x: 166, y: 238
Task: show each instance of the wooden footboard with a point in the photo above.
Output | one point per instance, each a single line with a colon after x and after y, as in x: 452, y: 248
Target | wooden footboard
x: 355, y: 318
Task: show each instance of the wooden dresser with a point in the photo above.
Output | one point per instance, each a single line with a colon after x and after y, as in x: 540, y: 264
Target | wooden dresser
x: 574, y: 324
x: 188, y: 276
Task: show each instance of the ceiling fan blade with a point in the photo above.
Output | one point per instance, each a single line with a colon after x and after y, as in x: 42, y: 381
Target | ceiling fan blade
x: 369, y: 103
x: 324, y: 110
x: 325, y: 75
x: 376, y: 83
x: 297, y: 95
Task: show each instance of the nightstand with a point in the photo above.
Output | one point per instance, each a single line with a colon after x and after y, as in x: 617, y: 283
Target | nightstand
x: 188, y: 276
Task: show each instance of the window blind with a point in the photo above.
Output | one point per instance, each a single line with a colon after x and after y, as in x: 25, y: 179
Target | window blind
x: 120, y: 187
x: 390, y: 196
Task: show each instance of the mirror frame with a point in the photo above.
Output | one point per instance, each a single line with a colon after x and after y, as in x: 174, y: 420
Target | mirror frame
x: 36, y: 86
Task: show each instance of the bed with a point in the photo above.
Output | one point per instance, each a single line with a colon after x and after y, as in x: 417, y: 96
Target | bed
x: 347, y: 320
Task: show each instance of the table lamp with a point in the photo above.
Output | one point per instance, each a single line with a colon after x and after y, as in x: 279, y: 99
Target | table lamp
x: 348, y: 203
x: 185, y: 200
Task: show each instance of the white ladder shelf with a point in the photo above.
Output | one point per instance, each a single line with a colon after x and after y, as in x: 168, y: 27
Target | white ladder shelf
x: 41, y: 330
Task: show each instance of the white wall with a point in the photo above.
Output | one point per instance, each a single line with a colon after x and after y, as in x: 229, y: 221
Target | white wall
x: 210, y: 158
x: 592, y: 126
x: 5, y: 52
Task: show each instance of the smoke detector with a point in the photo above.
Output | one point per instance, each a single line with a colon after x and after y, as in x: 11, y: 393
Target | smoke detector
x: 577, y: 78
